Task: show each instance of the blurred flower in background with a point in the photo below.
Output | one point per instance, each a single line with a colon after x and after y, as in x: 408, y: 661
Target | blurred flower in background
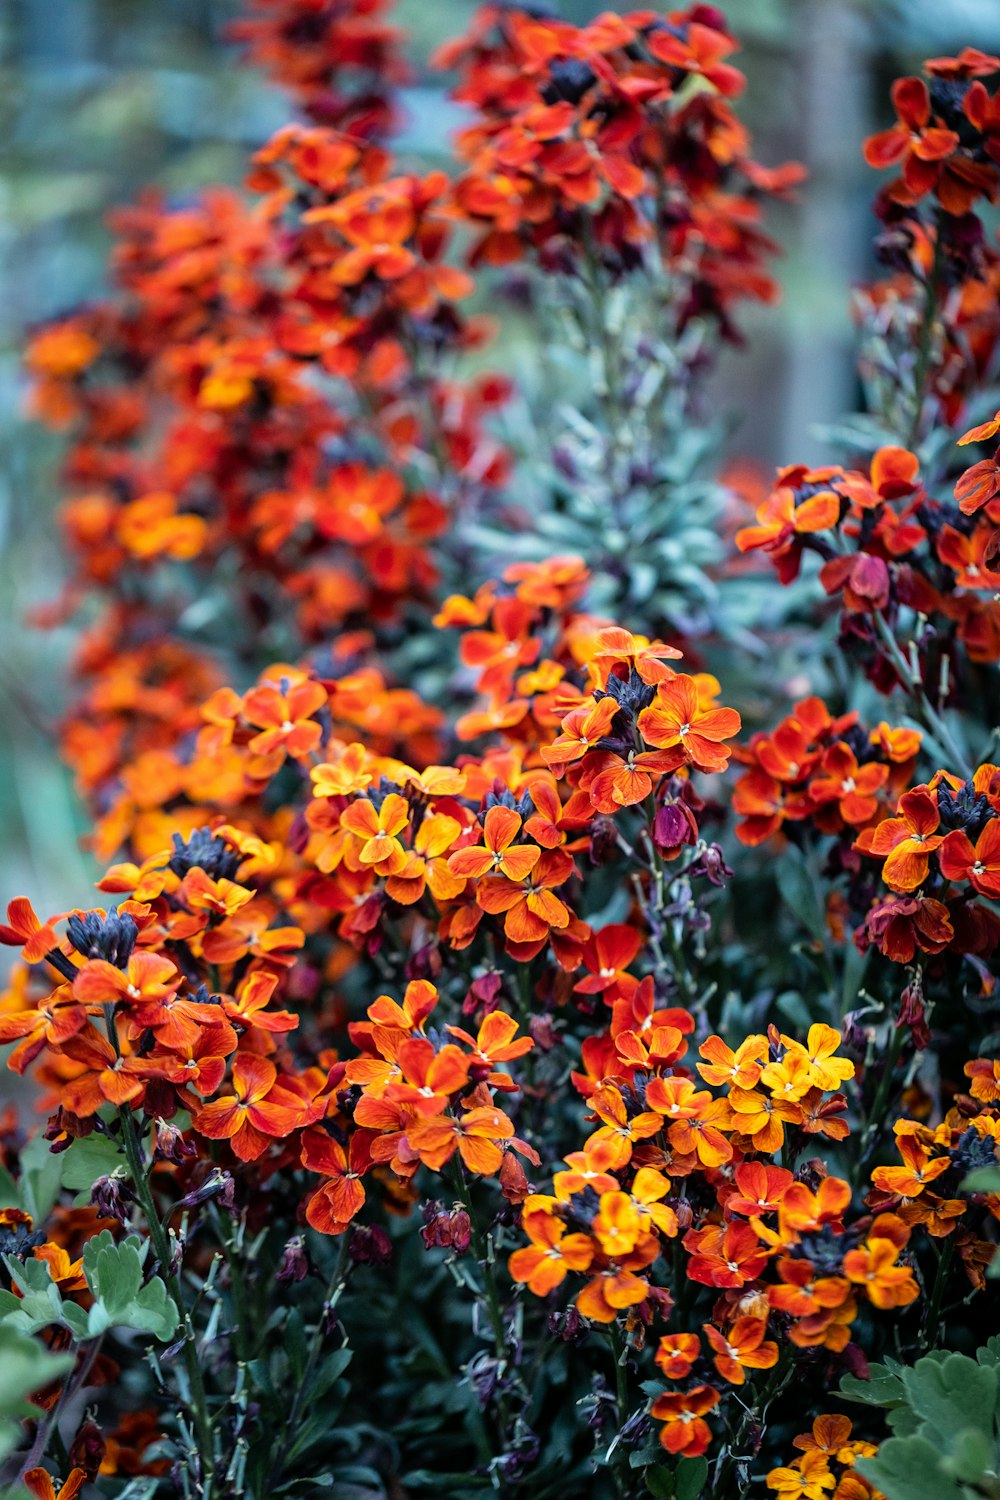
x: 99, y: 99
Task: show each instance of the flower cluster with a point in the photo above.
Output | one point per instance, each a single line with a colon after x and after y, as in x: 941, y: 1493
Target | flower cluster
x: 825, y: 1465
x: 615, y: 138
x: 672, y: 1160
x: 490, y: 1068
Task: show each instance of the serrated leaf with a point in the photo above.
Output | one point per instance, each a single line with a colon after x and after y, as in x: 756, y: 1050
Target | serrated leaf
x: 952, y: 1394
x: 909, y: 1469
x: 114, y: 1275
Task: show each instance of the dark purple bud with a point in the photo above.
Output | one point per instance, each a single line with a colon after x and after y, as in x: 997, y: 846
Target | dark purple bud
x: 218, y: 1185
x: 294, y: 1264
x: 111, y: 1197
x: 371, y: 1246
x: 543, y: 1032
x: 87, y: 1448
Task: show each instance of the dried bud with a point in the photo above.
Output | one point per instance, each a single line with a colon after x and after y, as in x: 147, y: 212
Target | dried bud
x: 111, y: 1196
x: 87, y: 1449
x: 294, y: 1264
x: 543, y: 1033
x: 461, y: 1231
x: 371, y: 1246
x: 218, y: 1185
x: 169, y: 1144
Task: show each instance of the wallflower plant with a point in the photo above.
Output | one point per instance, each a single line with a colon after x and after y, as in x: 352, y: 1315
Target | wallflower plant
x: 518, y: 1050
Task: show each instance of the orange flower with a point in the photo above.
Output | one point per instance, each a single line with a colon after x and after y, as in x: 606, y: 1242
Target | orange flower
x: 763, y: 1119
x: 910, y: 1180
x: 685, y: 1430
x: 725, y: 1257
x: 676, y: 717
x: 873, y: 1267
x: 495, y: 855
x: 809, y: 1479
x: 851, y: 786
x: 695, y: 1117
x: 979, y: 864
x: 248, y: 1007
x: 375, y: 831
x: 284, y: 713
x: 618, y: 1128
x: 39, y: 1483
x: 494, y: 1042
x: 741, y: 1068
x: 256, y: 1112
x: 151, y: 527
x: 333, y: 1205
x: 531, y: 910
x: 147, y: 979
x: 23, y: 930
x: 978, y: 486
x: 50, y: 1023
x: 742, y: 1348
x: 474, y: 1134
x: 426, y: 868
x: 544, y: 1263
x: 607, y: 955
x: 780, y: 520
x: 906, y: 841
x: 677, y: 1353
x: 582, y: 730
x: 914, y: 140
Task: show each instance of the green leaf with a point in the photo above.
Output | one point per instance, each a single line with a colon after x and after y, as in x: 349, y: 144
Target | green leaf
x: 659, y: 1482
x: 689, y: 1481
x: 41, y: 1178
x: 970, y: 1455
x: 909, y: 1469
x: 114, y: 1275
x: 88, y: 1159
x: 39, y: 1305
x: 113, y: 1272
x: 10, y: 1193
x: 798, y: 891
x: 982, y: 1180
x: 882, y: 1389
x: 952, y: 1394
x: 26, y: 1366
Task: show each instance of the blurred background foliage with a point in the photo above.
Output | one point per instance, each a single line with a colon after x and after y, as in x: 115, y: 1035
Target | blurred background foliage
x: 100, y: 98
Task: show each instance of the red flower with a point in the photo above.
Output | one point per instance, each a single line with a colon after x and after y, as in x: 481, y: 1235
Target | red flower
x: 914, y: 140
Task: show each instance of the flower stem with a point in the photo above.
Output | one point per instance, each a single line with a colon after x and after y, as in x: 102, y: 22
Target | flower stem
x: 161, y: 1246
x: 925, y: 710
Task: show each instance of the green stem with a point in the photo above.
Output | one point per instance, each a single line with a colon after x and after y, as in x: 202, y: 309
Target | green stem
x: 918, y: 696
x: 937, y: 1293
x: 161, y: 1247
x: 621, y: 1398
x: 883, y: 1093
x: 331, y: 1297
x: 237, y: 1289
x: 481, y: 1249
